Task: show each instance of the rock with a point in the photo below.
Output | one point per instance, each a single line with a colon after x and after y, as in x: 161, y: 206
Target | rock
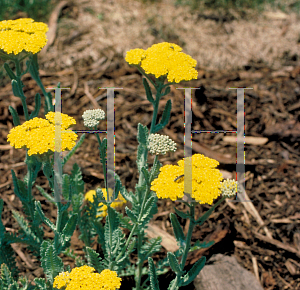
x: 225, y: 273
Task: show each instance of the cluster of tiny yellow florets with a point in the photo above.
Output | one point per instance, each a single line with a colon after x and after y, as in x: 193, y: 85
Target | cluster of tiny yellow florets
x: 205, y: 180
x: 102, y: 207
x: 164, y: 59
x: 22, y: 34
x: 66, y: 121
x: 83, y: 278
x: 160, y: 144
x: 38, y: 135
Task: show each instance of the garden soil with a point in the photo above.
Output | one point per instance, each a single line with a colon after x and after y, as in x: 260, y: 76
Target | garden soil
x: 88, y: 41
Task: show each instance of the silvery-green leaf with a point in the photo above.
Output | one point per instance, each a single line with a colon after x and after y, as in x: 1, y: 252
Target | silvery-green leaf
x: 152, y: 273
x: 148, y: 91
x: 174, y: 264
x: 192, y: 274
x: 178, y: 232
x: 131, y: 215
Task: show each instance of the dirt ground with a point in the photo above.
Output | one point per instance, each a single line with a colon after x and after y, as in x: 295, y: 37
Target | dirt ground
x: 88, y: 41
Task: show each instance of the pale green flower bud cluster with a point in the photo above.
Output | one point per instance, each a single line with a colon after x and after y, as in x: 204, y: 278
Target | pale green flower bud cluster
x: 91, y: 117
x: 229, y: 187
x: 160, y: 144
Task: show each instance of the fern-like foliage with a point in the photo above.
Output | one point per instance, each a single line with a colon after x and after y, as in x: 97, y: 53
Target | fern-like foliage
x: 21, y: 191
x: 153, y: 276
x: 7, y: 255
x: 87, y: 231
x: 49, y: 173
x: 7, y: 282
x: 154, y: 171
x: 28, y: 235
x: 150, y: 208
x: 77, y: 184
x: 115, y: 242
x: 149, y: 248
x: 6, y: 277
x: 94, y: 260
x: 192, y: 274
x: 40, y: 283
x: 142, y: 151
x: 51, y: 263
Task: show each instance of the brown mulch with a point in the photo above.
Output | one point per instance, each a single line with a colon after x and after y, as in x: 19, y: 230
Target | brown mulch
x: 266, y: 240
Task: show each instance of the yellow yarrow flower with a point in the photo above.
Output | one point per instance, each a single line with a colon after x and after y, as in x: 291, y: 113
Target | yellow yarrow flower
x: 102, y: 207
x: 66, y: 121
x: 84, y: 278
x: 38, y: 135
x: 61, y: 280
x: 205, y: 180
x: 164, y: 59
x: 22, y: 34
x: 134, y: 56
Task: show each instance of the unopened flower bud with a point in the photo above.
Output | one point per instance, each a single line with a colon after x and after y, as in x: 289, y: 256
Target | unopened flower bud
x: 229, y: 187
x: 91, y: 117
x: 160, y: 144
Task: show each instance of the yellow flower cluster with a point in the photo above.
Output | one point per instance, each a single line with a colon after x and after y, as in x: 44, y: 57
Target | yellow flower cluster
x: 22, y: 34
x: 164, y: 59
x: 38, y: 135
x: 205, y: 180
x: 66, y: 121
x: 83, y: 278
x: 102, y: 207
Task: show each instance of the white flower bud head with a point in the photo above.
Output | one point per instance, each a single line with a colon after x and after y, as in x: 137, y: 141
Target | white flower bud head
x: 91, y: 117
x: 229, y: 187
x: 160, y: 144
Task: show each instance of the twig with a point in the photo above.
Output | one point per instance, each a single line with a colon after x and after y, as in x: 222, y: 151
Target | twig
x: 277, y: 244
x: 252, y: 210
x: 90, y: 96
x: 53, y: 25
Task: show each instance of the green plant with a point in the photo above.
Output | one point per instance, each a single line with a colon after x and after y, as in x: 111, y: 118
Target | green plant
x: 36, y: 9
x: 165, y: 62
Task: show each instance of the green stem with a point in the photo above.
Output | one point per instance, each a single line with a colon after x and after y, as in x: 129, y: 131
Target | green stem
x: 187, y: 245
x: 138, y: 276
x: 36, y: 76
x: 29, y: 193
x: 127, y: 242
x: 153, y: 122
x: 134, y: 227
x: 20, y: 85
x: 140, y: 235
x: 111, y: 263
x: 103, y: 158
x: 145, y: 75
x: 155, y: 111
x: 58, y: 225
x: 189, y: 236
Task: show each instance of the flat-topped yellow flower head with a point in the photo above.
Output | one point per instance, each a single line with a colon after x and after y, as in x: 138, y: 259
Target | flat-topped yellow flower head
x: 22, y: 34
x: 84, y: 278
x: 164, y: 59
x: 38, y: 135
x: 205, y: 180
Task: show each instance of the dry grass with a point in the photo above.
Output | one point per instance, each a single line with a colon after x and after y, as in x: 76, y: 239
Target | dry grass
x: 125, y: 24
